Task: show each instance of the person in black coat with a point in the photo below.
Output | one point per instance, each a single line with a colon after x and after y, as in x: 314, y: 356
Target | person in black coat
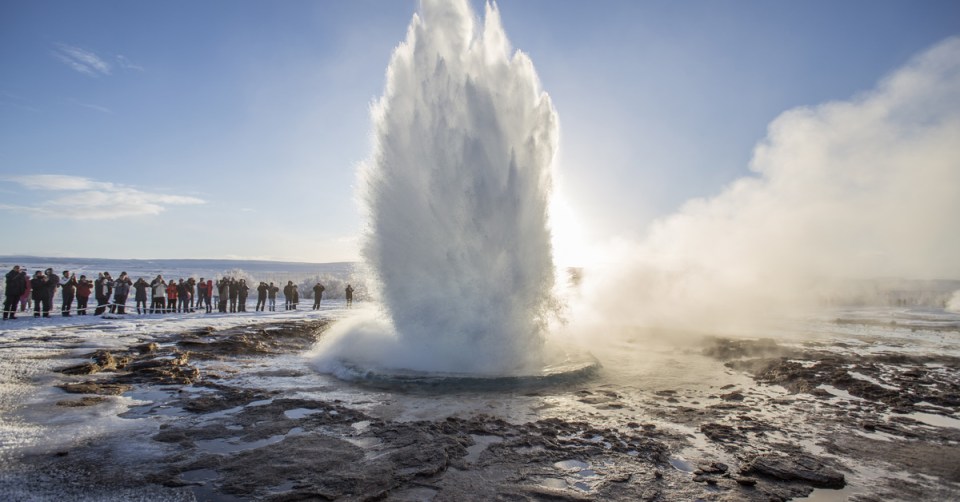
x: 223, y: 288
x: 242, y: 291
x: 317, y: 295
x: 183, y: 296
x: 234, y: 291
x: 16, y: 285
x: 69, y: 285
x: 272, y: 295
x: 53, y: 282
x: 288, y: 296
x: 121, y: 290
x: 40, y: 294
x: 261, y: 296
x: 103, y: 289
x: 140, y: 294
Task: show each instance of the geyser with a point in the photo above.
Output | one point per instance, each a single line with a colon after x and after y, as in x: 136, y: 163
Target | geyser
x: 456, y: 193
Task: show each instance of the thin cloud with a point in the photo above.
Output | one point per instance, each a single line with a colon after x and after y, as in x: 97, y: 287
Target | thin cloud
x: 82, y: 60
x: 101, y: 109
x: 126, y: 64
x: 87, y: 199
x: 14, y: 101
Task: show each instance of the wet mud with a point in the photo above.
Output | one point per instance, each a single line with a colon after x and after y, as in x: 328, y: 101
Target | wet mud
x: 838, y: 417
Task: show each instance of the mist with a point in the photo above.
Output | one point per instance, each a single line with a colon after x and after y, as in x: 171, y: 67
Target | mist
x: 848, y: 190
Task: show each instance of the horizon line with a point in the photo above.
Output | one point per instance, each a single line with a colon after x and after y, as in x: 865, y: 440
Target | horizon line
x: 53, y: 258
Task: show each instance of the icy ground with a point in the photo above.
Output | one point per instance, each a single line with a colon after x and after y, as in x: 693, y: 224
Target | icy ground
x: 855, y: 404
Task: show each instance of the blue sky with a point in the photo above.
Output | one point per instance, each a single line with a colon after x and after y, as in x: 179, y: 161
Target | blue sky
x: 232, y: 129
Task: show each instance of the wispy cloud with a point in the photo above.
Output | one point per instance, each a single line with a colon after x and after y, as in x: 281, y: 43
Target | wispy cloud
x: 82, y: 60
x: 126, y: 64
x: 87, y: 199
x: 11, y: 100
x: 101, y: 109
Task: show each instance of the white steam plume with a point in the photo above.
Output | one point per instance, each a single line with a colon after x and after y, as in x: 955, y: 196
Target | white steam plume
x: 864, y: 188
x: 457, y: 192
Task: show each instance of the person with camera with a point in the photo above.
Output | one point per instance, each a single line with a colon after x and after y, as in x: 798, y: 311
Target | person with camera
x: 68, y: 292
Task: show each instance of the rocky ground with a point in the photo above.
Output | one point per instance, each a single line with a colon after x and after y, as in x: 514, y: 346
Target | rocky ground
x: 810, y: 419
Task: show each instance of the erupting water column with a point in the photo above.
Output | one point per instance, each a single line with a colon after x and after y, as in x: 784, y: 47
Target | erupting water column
x: 456, y: 193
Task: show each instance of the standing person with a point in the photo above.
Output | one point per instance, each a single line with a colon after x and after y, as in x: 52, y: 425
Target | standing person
x: 103, y: 287
x: 108, y: 280
x: 209, y: 292
x: 159, y: 290
x: 261, y: 296
x: 201, y: 293
x: 242, y: 291
x: 234, y: 290
x: 140, y: 296
x: 288, y: 296
x: 27, y: 293
x: 191, y: 292
x: 121, y: 290
x: 272, y: 295
x: 317, y: 295
x: 84, y: 287
x: 69, y: 291
x: 172, y: 295
x: 183, y: 296
x: 349, y: 291
x: 296, y: 296
x: 53, y: 282
x: 14, y: 288
x: 41, y: 296
x: 223, y: 288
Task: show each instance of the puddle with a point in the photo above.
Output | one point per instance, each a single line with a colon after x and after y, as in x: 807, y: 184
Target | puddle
x: 682, y: 464
x: 554, y: 483
x: 480, y: 444
x: 206, y: 493
x: 365, y: 443
x: 571, y: 465
x: 865, y: 378
x: 198, y: 475
x: 828, y: 495
x: 580, y: 485
x: 233, y: 445
x: 839, y: 392
x: 418, y: 494
x: 298, y: 413
x: 933, y: 419
x: 587, y: 473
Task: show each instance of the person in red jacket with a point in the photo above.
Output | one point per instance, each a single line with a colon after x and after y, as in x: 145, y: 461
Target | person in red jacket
x: 172, y: 296
x: 28, y: 294
x: 84, y: 288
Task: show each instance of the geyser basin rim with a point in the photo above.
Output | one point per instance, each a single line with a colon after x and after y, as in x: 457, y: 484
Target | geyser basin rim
x: 554, y: 374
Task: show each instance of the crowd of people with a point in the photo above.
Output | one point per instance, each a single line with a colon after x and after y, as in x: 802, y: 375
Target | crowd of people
x: 174, y: 296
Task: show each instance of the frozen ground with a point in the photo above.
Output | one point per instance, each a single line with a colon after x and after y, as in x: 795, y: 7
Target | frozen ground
x: 858, y: 404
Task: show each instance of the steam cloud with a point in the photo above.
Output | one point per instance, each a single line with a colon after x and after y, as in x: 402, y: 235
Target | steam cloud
x: 864, y: 188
